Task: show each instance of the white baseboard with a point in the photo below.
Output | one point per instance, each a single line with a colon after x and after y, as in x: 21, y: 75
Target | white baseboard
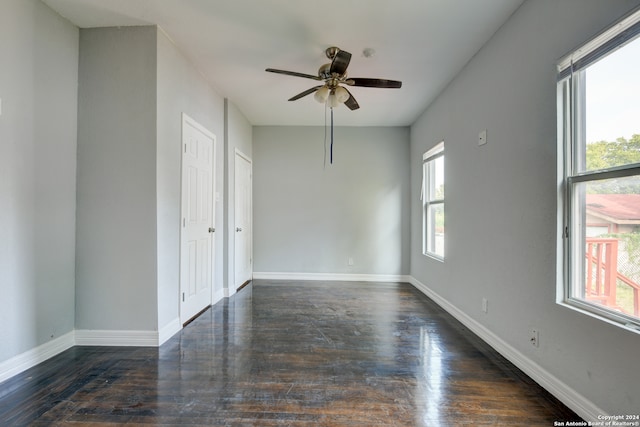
x: 574, y: 400
x: 36, y: 355
x: 31, y: 358
x: 218, y: 296
x: 117, y: 338
x: 228, y: 292
x: 169, y: 330
x: 333, y: 277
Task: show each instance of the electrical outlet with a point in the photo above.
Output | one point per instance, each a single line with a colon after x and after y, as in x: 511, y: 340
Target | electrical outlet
x: 534, y: 337
x: 485, y: 305
x: 482, y: 137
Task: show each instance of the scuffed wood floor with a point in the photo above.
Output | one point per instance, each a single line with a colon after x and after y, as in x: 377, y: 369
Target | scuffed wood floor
x: 291, y: 354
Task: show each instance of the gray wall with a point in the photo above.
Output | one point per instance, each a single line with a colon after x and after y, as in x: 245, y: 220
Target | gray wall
x: 38, y: 88
x: 501, y: 201
x: 310, y: 219
x: 116, y: 272
x: 134, y: 87
x: 96, y: 247
x: 181, y: 88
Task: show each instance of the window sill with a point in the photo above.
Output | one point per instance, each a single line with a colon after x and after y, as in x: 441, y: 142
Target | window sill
x: 434, y: 256
x: 594, y: 313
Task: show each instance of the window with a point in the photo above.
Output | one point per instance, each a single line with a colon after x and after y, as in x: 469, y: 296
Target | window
x: 598, y: 92
x: 433, y: 202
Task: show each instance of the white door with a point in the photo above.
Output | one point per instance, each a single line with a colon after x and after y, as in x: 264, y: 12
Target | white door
x: 242, y: 220
x: 196, y: 237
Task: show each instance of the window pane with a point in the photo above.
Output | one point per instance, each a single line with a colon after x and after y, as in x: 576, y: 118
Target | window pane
x: 436, y: 179
x: 435, y: 224
x: 612, y: 91
x: 607, y: 222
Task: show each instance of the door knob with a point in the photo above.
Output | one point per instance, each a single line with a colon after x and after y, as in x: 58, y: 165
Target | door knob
x: 212, y: 230
x: 238, y: 229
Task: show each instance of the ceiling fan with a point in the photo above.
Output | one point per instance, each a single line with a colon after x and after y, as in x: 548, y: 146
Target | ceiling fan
x: 334, y: 75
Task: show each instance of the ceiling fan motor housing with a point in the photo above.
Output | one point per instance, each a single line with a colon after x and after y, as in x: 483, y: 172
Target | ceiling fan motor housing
x: 324, y: 72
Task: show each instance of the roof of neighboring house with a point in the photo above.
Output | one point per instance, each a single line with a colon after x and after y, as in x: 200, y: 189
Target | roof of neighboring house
x: 617, y: 208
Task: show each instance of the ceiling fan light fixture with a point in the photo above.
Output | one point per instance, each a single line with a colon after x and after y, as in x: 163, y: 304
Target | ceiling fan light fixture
x: 333, y: 100
x: 322, y: 94
x: 341, y: 94
x: 333, y: 75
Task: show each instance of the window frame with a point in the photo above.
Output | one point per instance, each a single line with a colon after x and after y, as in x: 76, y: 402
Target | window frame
x: 428, y: 159
x: 571, y: 84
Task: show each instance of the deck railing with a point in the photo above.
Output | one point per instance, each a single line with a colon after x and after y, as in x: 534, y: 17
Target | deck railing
x: 602, y: 275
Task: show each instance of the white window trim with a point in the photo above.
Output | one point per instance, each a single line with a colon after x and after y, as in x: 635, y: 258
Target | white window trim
x: 569, y: 125
x: 618, y: 35
x: 436, y: 150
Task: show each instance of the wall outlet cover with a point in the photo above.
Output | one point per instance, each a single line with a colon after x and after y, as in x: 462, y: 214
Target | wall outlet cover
x: 482, y: 137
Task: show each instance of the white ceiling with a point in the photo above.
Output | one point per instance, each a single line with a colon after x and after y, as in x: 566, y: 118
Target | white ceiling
x: 423, y: 43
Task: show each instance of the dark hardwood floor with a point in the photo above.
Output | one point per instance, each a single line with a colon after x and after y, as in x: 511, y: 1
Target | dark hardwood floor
x: 291, y: 354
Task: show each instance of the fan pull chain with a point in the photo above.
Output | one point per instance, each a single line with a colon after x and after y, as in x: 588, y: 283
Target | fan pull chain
x: 324, y: 159
x: 331, y: 161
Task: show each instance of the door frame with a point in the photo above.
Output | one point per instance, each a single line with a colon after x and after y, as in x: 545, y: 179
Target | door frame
x: 240, y: 154
x: 186, y: 119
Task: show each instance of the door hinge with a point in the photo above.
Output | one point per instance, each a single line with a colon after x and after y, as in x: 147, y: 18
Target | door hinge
x: 185, y: 148
x: 183, y: 297
x: 566, y: 232
x: 184, y: 222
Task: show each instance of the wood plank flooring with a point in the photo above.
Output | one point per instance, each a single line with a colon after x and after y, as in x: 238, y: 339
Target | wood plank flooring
x: 291, y: 354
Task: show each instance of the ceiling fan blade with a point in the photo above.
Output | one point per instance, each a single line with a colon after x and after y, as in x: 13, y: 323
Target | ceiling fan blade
x: 340, y: 62
x: 351, y: 103
x: 305, y: 93
x: 381, y: 83
x: 293, y: 73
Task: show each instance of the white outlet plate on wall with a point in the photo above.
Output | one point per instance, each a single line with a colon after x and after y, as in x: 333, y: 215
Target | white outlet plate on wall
x: 482, y: 137
x: 534, y: 337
